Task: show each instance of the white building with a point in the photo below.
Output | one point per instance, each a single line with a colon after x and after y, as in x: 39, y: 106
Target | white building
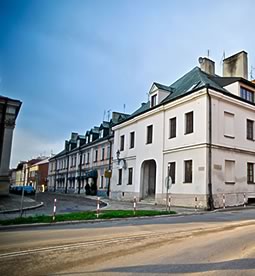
x: 200, y: 131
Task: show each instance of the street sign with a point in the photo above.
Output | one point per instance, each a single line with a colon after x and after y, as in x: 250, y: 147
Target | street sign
x: 108, y: 174
x: 168, y: 182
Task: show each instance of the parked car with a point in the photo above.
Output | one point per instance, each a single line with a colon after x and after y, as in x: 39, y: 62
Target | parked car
x: 28, y: 190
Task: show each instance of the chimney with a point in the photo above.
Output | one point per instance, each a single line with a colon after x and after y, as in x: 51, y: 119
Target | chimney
x: 207, y: 65
x: 236, y: 66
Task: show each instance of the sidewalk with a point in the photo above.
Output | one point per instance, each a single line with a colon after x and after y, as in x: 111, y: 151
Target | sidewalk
x: 12, y: 203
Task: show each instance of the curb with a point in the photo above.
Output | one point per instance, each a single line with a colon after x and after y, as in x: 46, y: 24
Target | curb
x: 7, y: 227
x: 24, y: 209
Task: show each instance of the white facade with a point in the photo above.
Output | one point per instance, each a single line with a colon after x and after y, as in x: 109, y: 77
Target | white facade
x: 219, y: 155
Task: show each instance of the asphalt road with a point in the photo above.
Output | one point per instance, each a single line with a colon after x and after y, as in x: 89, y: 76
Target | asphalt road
x: 209, y: 244
x: 66, y: 203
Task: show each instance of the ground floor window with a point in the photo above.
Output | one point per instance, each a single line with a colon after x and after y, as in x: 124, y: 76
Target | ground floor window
x: 120, y: 177
x: 130, y: 176
x: 250, y: 173
x: 229, y: 171
x: 102, y: 182
x: 188, y: 171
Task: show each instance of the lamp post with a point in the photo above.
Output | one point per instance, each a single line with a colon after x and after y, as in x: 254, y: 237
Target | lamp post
x: 118, y: 156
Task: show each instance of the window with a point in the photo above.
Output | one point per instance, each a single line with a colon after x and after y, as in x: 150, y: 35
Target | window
x: 229, y: 172
x: 188, y: 171
x: 87, y: 158
x: 149, y: 134
x: 172, y: 127
x: 189, y: 122
x: 250, y: 131
x: 102, y: 157
x: 171, y: 171
x: 108, y: 152
x: 132, y: 139
x: 130, y: 176
x: 102, y: 182
x: 229, y: 130
x: 74, y: 161
x: 120, y: 177
x: 122, y: 140
x: 153, y: 100
x: 247, y: 95
x: 95, y: 155
x: 250, y: 173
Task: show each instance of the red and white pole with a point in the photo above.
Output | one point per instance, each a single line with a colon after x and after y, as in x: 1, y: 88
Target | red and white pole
x: 134, y: 204
x: 224, y: 201
x: 169, y: 203
x: 244, y: 200
x: 54, y: 209
x: 195, y: 203
x: 98, y: 206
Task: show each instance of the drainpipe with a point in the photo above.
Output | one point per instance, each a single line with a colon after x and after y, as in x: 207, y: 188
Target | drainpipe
x: 67, y: 172
x: 210, y: 199
x: 55, y: 180
x: 2, y: 127
x: 109, y: 167
x: 79, y: 187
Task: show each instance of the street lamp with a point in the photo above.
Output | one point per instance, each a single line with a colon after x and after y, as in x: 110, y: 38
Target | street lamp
x: 118, y: 156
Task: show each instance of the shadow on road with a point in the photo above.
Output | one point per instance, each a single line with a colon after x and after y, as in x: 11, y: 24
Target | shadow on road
x: 238, y: 264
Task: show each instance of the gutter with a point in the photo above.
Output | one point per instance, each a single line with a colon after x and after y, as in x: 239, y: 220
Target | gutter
x: 210, y: 194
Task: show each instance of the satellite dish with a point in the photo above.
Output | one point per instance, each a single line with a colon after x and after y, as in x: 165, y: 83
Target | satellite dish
x: 122, y: 164
x: 200, y: 60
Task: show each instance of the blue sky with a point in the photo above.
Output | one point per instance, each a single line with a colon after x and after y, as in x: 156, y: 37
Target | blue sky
x: 68, y: 61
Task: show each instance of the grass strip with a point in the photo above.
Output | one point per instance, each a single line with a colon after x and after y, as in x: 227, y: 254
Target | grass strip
x: 87, y: 215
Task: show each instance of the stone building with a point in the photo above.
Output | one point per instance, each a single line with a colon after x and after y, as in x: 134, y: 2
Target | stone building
x: 9, y: 109
x: 84, y: 165
x: 197, y: 133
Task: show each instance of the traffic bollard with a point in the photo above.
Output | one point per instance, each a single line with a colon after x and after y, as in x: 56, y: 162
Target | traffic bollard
x: 134, y: 205
x: 244, y: 200
x: 196, y: 204
x: 54, y: 209
x: 224, y: 201
x: 98, y: 206
x: 169, y: 203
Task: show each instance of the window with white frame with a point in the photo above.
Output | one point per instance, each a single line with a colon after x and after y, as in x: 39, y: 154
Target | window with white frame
x: 102, y: 182
x: 250, y: 129
x: 188, y: 171
x: 250, y: 173
x: 102, y: 155
x: 122, y: 141
x: 130, y: 176
x: 229, y: 171
x: 153, y: 100
x: 172, y: 127
x: 189, y: 121
x: 229, y: 128
x: 171, y: 171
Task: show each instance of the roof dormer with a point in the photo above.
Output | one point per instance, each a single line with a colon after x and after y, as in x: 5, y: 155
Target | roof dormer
x: 158, y: 93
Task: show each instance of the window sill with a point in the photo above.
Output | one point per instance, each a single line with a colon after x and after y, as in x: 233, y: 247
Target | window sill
x: 172, y: 137
x: 148, y: 143
x: 118, y: 184
x: 187, y: 182
x: 230, y: 182
x: 229, y: 136
x: 187, y: 133
x: 129, y: 183
x: 252, y: 183
x: 251, y: 139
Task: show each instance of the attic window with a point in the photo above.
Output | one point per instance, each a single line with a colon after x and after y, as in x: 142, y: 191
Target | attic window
x: 153, y: 100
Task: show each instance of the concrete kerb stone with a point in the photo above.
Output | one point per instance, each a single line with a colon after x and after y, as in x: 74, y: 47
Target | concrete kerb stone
x: 7, y: 227
x: 24, y: 209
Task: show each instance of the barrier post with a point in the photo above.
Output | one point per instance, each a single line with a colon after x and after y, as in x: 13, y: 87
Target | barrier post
x: 98, y: 206
x: 134, y: 205
x: 244, y: 200
x: 54, y: 209
x: 169, y: 203
x: 196, y: 204
x: 224, y: 201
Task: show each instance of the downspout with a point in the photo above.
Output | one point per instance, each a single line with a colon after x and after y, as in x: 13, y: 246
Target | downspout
x: 109, y: 168
x: 55, y: 180
x: 210, y: 199
x: 79, y: 187
x: 67, y: 173
x: 2, y: 127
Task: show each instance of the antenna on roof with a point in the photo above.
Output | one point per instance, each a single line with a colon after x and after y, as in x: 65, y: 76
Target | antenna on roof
x: 108, y: 115
x: 251, y: 73
x: 148, y: 96
x: 222, y: 58
x: 124, y: 108
x: 208, y: 53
